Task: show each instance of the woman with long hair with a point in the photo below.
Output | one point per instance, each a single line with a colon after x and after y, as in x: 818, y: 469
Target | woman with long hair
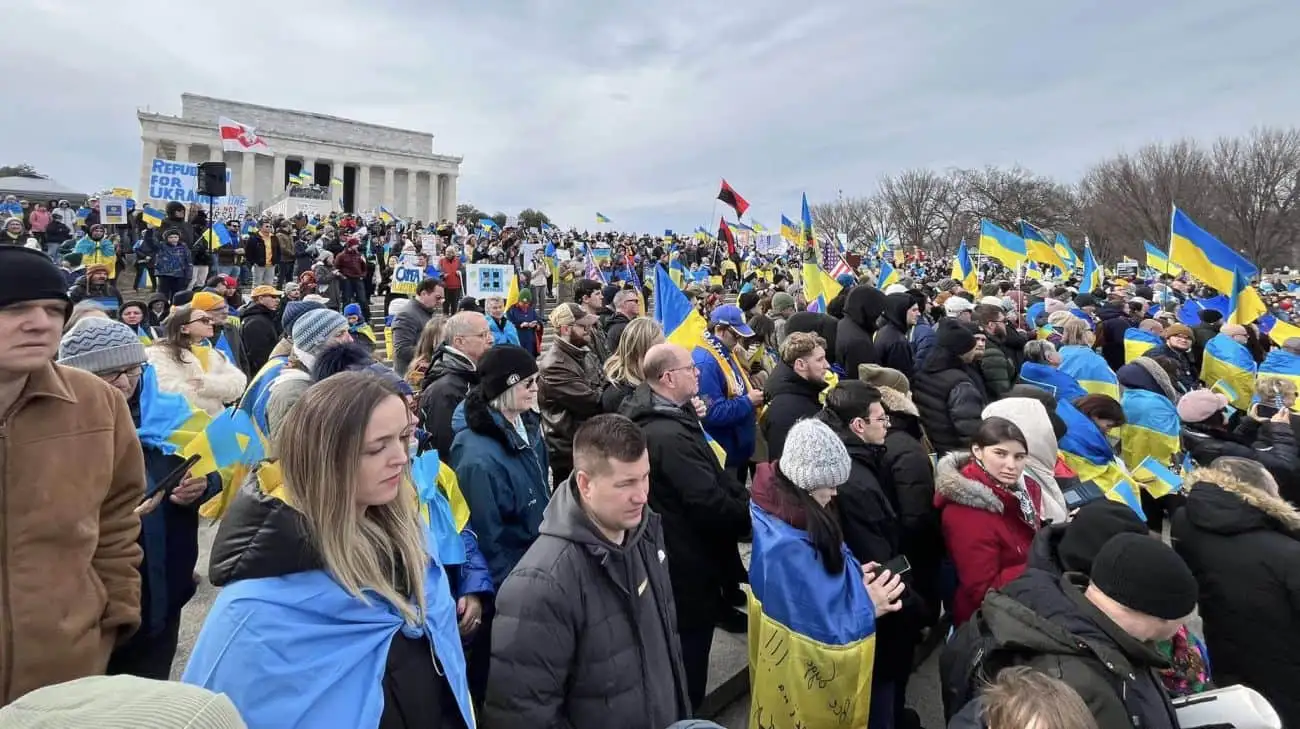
x: 807, y: 588
x: 333, y: 612
x: 185, y: 365
x: 623, y: 368
x: 430, y: 339
x: 990, y: 511
x: 1078, y: 360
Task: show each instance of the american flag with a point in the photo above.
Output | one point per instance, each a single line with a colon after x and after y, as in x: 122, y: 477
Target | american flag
x: 832, y: 262
x: 593, y: 271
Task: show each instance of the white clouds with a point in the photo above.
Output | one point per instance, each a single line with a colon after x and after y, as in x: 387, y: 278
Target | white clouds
x: 636, y: 109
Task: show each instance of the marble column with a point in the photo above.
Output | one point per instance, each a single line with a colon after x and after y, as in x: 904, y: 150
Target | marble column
x: 183, y: 152
x: 277, y: 176
x: 449, y: 200
x: 435, y: 197
x: 215, y: 153
x: 148, y: 151
x: 361, y: 198
x: 248, y: 177
x: 412, y: 176
x: 309, y: 165
x: 388, y: 188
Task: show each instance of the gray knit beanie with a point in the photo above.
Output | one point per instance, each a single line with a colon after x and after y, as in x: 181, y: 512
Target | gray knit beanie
x: 100, y: 345
x: 104, y: 701
x: 313, y: 329
x: 814, y: 457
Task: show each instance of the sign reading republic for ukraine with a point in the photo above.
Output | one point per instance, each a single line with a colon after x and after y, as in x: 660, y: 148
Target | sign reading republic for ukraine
x: 171, y: 181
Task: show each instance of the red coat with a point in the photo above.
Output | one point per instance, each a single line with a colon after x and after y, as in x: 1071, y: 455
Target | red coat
x: 984, y: 531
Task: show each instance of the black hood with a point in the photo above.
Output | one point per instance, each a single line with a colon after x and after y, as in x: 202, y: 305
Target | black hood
x: 785, y: 381
x: 641, y: 406
x: 817, y: 323
x: 255, y: 309
x: 175, y: 210
x: 896, y: 308
x: 260, y: 536
x: 864, y: 305
x: 1220, y: 504
x: 1111, y: 311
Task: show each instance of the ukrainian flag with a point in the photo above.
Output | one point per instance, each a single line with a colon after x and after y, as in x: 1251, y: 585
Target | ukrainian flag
x: 442, y: 506
x: 702, y: 234
x: 1277, y: 330
x: 1204, y: 256
x: 1138, y: 342
x: 1151, y: 433
x: 1281, y: 364
x: 812, y: 640
x: 1159, y: 260
x: 1228, y: 362
x: 230, y: 445
x: 386, y: 215
x: 677, y: 270
x: 1066, y: 251
x: 757, y: 226
x: 681, y: 321
x: 1245, y: 303
x: 887, y: 276
x: 152, y: 217
x: 218, y: 236
x: 789, y: 231
x: 1038, y: 249
x: 258, y: 393
x: 167, y: 420
x: 601, y: 218
x: 295, y: 180
x: 249, y: 226
x: 737, y: 226
x: 306, y: 176
x: 1091, y: 272
x: 963, y: 270
x: 1161, y: 479
x: 1087, y: 452
x: 809, y: 238
x: 83, y: 214
x: 1003, y: 245
x: 487, y: 223
x: 512, y: 292
x: 1050, y: 379
x: 1090, y: 370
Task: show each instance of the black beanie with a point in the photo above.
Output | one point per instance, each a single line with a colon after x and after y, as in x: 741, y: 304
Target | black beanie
x: 1091, y: 528
x: 1210, y: 316
x: 747, y: 301
x: 29, y: 275
x: 1083, y: 300
x: 501, y: 367
x: 1143, y: 574
x: 954, y: 337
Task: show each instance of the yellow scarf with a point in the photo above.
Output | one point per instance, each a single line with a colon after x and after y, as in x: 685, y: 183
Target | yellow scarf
x: 738, y: 383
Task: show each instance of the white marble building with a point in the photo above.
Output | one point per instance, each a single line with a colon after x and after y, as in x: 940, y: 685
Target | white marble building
x: 379, y: 165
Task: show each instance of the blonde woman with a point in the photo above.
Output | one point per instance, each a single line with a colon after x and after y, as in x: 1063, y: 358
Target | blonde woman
x: 1021, y: 698
x: 623, y: 368
x: 428, y: 343
x: 186, y: 366
x: 332, y: 611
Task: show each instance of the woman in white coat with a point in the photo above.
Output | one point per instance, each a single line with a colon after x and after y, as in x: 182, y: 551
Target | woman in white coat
x: 187, y: 365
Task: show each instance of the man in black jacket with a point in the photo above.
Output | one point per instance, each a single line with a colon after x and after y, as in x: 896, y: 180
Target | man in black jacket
x: 586, y: 631
x: 893, y: 350
x: 259, y: 326
x: 705, y: 511
x: 792, y: 390
x: 627, y: 306
x: 948, y: 396
x: 452, y: 372
x: 853, y: 345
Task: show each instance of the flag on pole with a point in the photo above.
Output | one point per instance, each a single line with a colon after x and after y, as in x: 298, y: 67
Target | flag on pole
x: 733, y: 198
x: 237, y: 137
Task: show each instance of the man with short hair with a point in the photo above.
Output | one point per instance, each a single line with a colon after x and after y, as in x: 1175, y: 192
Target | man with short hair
x: 782, y: 309
x: 996, y: 365
x: 259, y: 326
x: 586, y: 632
x: 453, y: 370
x: 627, y: 306
x: 793, y: 390
x: 407, y: 325
x: 72, y: 477
x: 569, y: 385
x: 705, y: 511
x: 731, y: 399
x: 590, y: 296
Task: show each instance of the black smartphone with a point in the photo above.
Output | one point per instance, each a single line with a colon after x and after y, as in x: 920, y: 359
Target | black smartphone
x: 1265, y: 411
x: 898, y: 565
x: 167, y: 484
x: 1084, y: 493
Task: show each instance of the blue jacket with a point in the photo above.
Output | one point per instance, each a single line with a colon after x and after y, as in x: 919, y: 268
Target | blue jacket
x: 529, y: 338
x: 503, y: 478
x: 173, y: 261
x: 922, y: 338
x: 506, y: 334
x: 732, y: 422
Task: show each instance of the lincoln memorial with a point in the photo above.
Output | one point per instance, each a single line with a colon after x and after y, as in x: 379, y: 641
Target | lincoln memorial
x: 379, y: 165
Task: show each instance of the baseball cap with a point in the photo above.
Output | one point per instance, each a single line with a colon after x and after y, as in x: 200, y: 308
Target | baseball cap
x: 956, y: 305
x: 569, y: 314
x: 732, y: 316
x: 263, y: 290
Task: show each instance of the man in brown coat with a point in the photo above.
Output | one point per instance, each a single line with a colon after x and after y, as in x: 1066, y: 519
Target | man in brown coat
x: 71, y: 477
x: 569, y: 384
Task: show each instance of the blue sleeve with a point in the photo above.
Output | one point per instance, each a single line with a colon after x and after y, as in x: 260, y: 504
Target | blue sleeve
x: 713, y: 390
x: 512, y: 334
x: 922, y: 346
x: 484, y: 514
x: 214, y: 488
x: 475, y: 577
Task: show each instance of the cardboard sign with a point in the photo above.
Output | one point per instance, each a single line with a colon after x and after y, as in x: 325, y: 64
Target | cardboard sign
x: 484, y: 280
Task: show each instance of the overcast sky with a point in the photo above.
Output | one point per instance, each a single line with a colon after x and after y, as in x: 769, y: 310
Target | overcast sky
x: 637, y: 109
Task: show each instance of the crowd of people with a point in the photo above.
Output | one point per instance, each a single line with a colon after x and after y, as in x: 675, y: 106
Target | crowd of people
x: 530, y: 513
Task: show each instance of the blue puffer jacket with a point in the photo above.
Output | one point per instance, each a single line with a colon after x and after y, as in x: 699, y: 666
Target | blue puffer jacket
x: 172, y: 260
x: 503, y: 478
x: 731, y: 422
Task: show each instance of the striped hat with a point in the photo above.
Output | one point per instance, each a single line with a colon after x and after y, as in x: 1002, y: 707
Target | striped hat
x: 97, y: 344
x: 313, y: 330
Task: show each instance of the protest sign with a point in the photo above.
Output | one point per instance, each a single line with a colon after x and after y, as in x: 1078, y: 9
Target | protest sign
x: 429, y: 245
x: 179, y: 181
x: 406, y: 276
x: 485, y: 280
x: 112, y: 210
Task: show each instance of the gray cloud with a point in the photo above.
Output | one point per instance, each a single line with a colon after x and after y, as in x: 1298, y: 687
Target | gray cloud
x: 636, y: 109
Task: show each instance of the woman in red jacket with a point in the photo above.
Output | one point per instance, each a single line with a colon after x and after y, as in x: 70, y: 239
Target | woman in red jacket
x: 990, y: 512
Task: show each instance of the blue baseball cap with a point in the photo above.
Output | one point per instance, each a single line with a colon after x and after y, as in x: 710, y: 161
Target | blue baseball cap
x: 732, y: 316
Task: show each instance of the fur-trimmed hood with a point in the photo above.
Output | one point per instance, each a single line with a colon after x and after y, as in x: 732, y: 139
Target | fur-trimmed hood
x: 950, y: 484
x: 1144, y: 373
x: 897, y: 402
x: 1219, y: 503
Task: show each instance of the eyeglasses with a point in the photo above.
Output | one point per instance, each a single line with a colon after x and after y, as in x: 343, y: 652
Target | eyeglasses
x: 883, y: 420
x: 691, y: 366
x: 529, y: 382
x: 130, y: 373
x: 200, y: 320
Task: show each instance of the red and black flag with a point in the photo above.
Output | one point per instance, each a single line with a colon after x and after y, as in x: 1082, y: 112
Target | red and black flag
x: 733, y: 198
x: 724, y: 235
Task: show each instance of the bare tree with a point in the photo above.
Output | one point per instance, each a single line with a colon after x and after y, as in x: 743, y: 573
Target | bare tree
x: 1256, y: 193
x: 21, y: 170
x: 847, y: 216
x: 916, y: 200
x: 1006, y: 196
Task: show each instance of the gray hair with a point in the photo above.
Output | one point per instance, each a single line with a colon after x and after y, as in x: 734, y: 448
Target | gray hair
x: 459, y: 325
x: 1247, y: 472
x: 622, y: 296
x: 1039, y: 350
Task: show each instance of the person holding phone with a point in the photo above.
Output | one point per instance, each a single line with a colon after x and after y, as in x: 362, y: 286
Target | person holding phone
x: 169, y: 519
x: 1264, y: 437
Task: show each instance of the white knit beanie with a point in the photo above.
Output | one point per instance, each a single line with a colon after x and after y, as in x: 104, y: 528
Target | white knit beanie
x: 814, y: 457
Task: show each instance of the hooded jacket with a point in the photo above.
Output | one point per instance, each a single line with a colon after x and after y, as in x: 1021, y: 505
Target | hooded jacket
x: 891, y: 342
x: 704, y: 510
x: 950, y: 400
x: 853, y: 335
x: 998, y: 365
x: 585, y: 634
x: 1243, y: 545
x: 910, y: 486
x: 790, y: 398
x: 503, y: 478
x: 1031, y: 417
x: 448, y: 379
x: 259, y: 331
x: 1114, y: 322
x: 983, y: 528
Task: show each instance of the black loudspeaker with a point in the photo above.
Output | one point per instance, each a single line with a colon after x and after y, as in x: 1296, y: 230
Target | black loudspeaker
x: 212, y: 179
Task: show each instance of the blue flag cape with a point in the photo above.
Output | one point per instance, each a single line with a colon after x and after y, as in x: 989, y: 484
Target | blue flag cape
x: 1090, y: 370
x: 1048, y: 378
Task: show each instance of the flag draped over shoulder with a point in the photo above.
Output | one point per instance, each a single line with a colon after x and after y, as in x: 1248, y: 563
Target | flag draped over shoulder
x: 1228, y: 368
x: 1086, y: 450
x: 1138, y: 342
x: 442, y: 505
x: 681, y: 321
x: 812, y: 636
x: 1090, y: 370
x: 1050, y: 379
x: 1281, y: 364
x: 1151, y: 432
x: 228, y: 445
x: 167, y: 420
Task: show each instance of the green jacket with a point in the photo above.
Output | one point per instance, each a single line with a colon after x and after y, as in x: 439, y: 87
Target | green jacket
x: 998, y: 370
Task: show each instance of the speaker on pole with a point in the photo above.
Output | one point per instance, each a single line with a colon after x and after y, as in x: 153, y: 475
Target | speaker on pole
x: 212, y: 179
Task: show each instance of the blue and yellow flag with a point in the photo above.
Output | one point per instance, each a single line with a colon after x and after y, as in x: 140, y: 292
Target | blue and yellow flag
x: 1066, y: 251
x: 1138, y: 342
x: 677, y: 270
x: 963, y: 270
x: 681, y: 321
x: 229, y: 445
x: 807, y: 234
x: 812, y: 635
x: 387, y: 216
x: 601, y: 218
x: 1204, y: 256
x: 1087, y: 452
x: 1281, y: 364
x: 1245, y: 304
x: 167, y: 420
x: 83, y: 214
x: 1277, y: 330
x: 1158, y: 260
x: 1002, y: 245
x: 1038, y: 249
x: 1052, y: 380
x: 1158, y: 479
x: 258, y: 393
x: 442, y: 505
x: 888, y: 275
x: 295, y: 179
x: 1090, y: 370
x: 1228, y: 361
x: 218, y: 236
x: 1092, y: 272
x: 152, y: 217
x: 1151, y: 433
x: 789, y: 231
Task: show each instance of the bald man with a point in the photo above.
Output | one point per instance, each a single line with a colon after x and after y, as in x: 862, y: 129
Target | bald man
x: 705, y: 511
x: 1236, y: 332
x: 1153, y: 326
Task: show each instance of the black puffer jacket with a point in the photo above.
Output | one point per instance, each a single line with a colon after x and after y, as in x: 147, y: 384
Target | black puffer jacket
x: 950, y: 400
x: 585, y: 634
x: 853, y: 335
x: 789, y: 398
x: 1243, y: 545
x: 1272, y: 445
x: 448, y: 379
x: 1187, y: 378
x: 703, y: 508
x: 259, y: 328
x: 892, y: 346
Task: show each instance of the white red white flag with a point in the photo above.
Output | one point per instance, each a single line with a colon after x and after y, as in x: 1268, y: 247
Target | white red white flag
x: 236, y: 137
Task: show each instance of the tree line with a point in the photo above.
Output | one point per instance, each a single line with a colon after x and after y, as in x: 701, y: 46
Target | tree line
x: 1244, y: 190
x: 528, y: 218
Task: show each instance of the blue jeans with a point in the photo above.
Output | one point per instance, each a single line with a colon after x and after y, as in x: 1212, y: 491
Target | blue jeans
x: 231, y: 271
